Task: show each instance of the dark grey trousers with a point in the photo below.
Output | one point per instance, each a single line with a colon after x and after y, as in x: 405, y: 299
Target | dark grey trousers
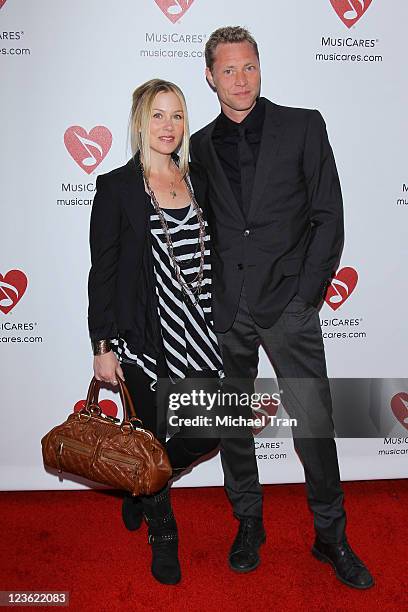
x: 295, y: 348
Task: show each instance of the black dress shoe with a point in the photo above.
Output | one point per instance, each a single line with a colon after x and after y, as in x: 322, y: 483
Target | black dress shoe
x: 132, y: 512
x: 244, y: 553
x: 348, y: 567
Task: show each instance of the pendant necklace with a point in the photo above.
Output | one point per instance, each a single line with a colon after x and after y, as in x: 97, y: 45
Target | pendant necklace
x: 172, y: 189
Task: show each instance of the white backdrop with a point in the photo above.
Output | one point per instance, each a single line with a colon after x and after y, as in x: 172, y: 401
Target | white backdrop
x: 69, y: 66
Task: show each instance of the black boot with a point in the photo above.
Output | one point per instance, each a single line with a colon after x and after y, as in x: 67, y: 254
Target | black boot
x: 132, y: 511
x: 244, y: 553
x: 348, y: 567
x: 163, y: 537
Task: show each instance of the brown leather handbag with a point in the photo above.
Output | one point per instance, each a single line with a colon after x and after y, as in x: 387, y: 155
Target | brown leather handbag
x: 100, y: 448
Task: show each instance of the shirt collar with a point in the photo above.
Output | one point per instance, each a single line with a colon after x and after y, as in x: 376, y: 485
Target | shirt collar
x: 253, y: 122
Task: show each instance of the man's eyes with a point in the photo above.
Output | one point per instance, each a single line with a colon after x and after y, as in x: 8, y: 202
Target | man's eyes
x: 229, y: 71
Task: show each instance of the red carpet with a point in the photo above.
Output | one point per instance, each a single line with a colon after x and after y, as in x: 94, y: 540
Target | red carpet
x: 75, y: 541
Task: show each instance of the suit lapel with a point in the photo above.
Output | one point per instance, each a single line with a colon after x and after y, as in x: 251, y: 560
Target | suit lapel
x: 135, y: 201
x: 218, y: 178
x: 269, y: 148
x: 198, y: 186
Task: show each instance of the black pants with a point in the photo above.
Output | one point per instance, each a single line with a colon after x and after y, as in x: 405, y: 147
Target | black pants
x: 183, y: 450
x: 295, y: 348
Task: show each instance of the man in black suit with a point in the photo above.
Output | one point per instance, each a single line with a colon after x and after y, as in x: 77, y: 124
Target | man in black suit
x: 277, y: 223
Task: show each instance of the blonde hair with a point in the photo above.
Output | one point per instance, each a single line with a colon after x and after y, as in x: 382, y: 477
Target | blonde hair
x: 140, y: 116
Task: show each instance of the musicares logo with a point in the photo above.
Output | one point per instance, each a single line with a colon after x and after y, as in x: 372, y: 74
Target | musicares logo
x: 12, y: 289
x: 108, y: 407
x: 341, y: 287
x: 2, y: 2
x: 88, y: 149
x: 174, y: 9
x: 399, y: 406
x: 350, y: 11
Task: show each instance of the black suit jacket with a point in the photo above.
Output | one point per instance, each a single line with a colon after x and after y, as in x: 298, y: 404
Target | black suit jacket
x: 292, y: 238
x: 122, y: 299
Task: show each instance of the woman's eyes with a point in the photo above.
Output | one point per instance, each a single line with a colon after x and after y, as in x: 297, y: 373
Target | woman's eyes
x: 160, y: 116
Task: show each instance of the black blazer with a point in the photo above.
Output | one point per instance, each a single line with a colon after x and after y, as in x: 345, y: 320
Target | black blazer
x: 291, y: 241
x: 121, y: 280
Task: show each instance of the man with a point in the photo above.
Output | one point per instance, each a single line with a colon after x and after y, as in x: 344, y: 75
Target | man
x: 277, y: 225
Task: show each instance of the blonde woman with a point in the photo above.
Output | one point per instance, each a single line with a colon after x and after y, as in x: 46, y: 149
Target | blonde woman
x: 150, y: 289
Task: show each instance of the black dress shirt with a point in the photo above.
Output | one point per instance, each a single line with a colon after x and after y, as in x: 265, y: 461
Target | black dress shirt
x: 226, y: 138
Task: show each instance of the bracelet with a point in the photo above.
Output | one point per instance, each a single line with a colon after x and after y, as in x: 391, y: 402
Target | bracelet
x: 100, y: 347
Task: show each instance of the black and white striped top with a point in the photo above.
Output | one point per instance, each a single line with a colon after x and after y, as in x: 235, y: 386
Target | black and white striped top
x: 186, y: 326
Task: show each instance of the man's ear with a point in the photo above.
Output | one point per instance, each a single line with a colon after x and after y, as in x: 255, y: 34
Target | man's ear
x: 210, y: 79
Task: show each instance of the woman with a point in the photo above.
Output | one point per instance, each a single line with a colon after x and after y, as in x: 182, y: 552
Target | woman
x: 150, y: 290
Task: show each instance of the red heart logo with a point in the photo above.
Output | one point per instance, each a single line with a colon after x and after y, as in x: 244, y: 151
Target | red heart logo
x: 88, y: 150
x: 341, y: 287
x: 2, y: 2
x: 174, y: 9
x: 12, y: 289
x: 399, y: 406
x: 350, y: 11
x: 79, y: 405
x: 268, y: 408
x: 107, y: 406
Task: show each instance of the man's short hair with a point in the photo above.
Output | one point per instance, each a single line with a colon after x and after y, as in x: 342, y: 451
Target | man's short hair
x: 229, y: 34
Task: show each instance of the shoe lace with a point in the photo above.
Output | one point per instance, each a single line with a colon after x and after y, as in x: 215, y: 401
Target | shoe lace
x: 246, y: 533
x: 349, y: 559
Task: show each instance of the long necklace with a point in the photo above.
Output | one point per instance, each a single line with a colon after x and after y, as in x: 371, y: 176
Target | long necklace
x: 194, y: 286
x: 173, y: 192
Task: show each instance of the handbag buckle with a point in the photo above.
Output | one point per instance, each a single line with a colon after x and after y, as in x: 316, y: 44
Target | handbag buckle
x: 126, y: 427
x: 95, y: 410
x: 84, y: 413
x: 111, y: 419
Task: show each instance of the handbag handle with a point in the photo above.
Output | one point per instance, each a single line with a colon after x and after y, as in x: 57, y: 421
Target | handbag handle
x: 92, y: 396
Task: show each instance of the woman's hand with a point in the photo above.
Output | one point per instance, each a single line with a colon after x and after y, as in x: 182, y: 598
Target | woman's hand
x: 107, y: 368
